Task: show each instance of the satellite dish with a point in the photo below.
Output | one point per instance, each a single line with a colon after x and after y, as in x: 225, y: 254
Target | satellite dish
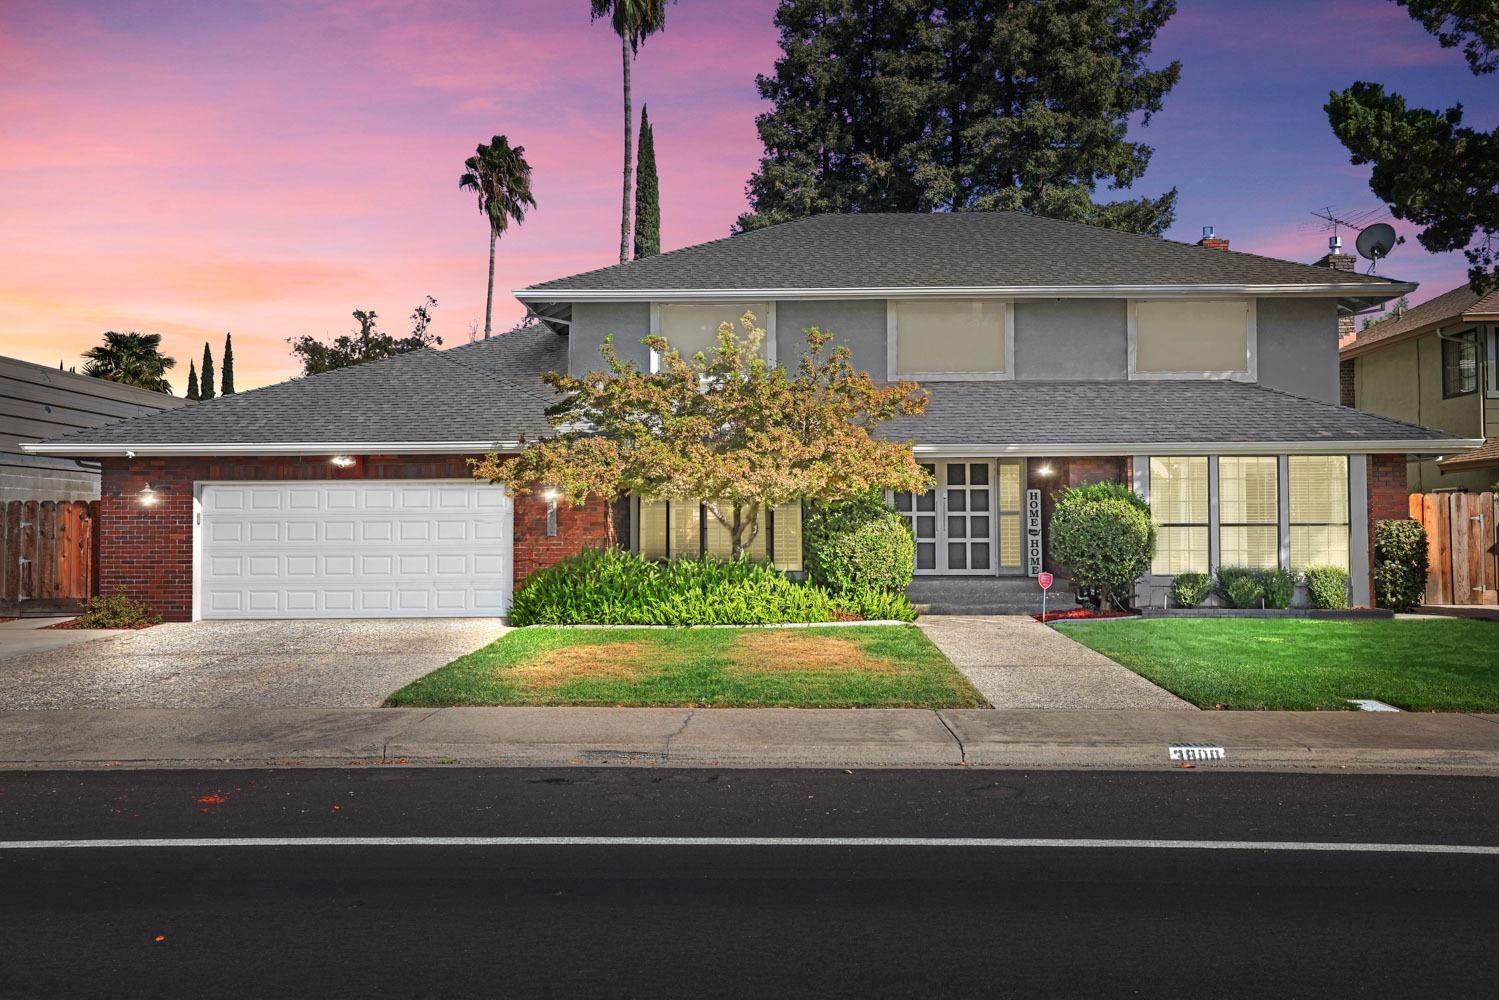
x: 1376, y: 242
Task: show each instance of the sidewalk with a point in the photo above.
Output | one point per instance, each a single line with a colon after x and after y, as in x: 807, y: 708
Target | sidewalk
x: 1036, y: 739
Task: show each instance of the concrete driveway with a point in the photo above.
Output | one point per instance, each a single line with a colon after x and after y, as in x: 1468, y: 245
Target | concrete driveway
x: 238, y: 664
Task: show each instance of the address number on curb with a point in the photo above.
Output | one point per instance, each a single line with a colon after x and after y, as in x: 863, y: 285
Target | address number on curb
x: 1195, y: 751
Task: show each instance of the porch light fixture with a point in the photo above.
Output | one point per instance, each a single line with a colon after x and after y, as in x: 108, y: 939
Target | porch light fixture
x: 550, y: 495
x: 1045, y: 471
x: 148, y: 496
x: 342, y: 461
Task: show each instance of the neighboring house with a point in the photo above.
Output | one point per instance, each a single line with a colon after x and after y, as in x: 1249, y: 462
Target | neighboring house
x: 37, y: 402
x: 1436, y: 364
x: 1054, y: 353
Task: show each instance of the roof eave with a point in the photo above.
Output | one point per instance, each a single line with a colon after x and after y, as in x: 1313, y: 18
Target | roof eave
x: 144, y: 450
x: 1367, y: 293
x: 1441, y: 446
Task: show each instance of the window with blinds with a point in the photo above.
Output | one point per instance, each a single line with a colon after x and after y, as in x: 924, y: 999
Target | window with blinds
x: 1318, y: 486
x: 950, y: 336
x: 1179, y: 502
x: 690, y: 327
x: 682, y: 529
x: 1248, y: 511
x: 1201, y: 337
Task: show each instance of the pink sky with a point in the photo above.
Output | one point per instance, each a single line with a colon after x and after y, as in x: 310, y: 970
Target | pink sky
x: 266, y: 168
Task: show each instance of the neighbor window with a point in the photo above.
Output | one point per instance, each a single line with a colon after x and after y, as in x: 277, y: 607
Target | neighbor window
x: 1179, y: 502
x: 1248, y: 511
x: 677, y: 529
x: 1192, y: 338
x: 963, y: 337
x: 690, y: 327
x: 1319, y: 510
x: 1460, y: 364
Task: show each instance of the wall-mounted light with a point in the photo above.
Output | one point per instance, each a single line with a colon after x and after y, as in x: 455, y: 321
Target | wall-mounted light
x: 148, y: 496
x: 342, y: 461
x: 1045, y: 471
x: 550, y: 496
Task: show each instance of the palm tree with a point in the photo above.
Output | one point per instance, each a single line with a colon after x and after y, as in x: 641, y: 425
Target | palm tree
x: 633, y: 21
x: 501, y: 177
x: 130, y: 359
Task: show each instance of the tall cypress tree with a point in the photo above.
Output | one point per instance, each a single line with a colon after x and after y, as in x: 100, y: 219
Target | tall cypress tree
x: 227, y: 388
x: 937, y: 105
x: 205, y: 386
x: 192, y: 380
x: 647, y: 192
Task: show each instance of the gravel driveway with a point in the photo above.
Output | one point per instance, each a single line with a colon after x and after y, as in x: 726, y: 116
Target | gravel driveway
x: 237, y: 664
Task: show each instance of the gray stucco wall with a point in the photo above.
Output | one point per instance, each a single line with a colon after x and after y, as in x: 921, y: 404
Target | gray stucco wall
x: 1298, y: 346
x: 1071, y: 339
x: 628, y: 322
x: 859, y: 324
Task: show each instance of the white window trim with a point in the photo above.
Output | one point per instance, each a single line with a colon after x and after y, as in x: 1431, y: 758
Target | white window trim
x: 892, y: 354
x: 1493, y: 339
x: 1251, y: 342
x: 767, y: 323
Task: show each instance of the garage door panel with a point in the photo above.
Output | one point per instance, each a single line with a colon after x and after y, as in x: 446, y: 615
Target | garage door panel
x: 353, y: 550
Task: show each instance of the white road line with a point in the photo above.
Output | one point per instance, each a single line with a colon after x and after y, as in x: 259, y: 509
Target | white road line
x: 960, y: 842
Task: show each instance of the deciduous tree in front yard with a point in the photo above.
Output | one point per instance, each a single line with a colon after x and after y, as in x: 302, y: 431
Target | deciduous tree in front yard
x: 726, y: 427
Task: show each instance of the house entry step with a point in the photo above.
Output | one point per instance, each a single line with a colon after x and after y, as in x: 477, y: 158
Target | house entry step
x: 986, y: 595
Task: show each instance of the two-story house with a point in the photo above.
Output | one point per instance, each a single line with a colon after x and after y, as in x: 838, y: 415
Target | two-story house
x: 1438, y: 365
x: 1053, y: 353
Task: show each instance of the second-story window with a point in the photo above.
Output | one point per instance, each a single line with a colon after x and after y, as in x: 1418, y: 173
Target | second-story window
x: 951, y: 338
x: 1460, y: 364
x: 1192, y: 338
x: 690, y: 327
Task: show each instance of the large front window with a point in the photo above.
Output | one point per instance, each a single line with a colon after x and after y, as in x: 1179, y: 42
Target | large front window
x: 1319, y: 510
x: 962, y: 338
x: 1248, y: 511
x: 1179, y: 501
x: 684, y: 529
x: 1193, y: 338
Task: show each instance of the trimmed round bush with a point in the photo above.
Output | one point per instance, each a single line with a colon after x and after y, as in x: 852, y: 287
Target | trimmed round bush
x: 1103, y: 534
x: 1326, y: 586
x: 857, y: 545
x: 1400, y: 564
x: 1279, y: 586
x: 1189, y: 589
x: 1243, y: 591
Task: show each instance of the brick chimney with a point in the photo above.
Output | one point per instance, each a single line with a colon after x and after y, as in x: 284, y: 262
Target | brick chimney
x: 1336, y: 259
x: 1210, y: 240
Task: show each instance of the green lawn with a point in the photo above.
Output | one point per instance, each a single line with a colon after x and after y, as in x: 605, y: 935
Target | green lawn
x: 1449, y: 665
x: 874, y: 666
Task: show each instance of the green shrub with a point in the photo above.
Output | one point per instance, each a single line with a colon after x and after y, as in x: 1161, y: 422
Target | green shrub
x: 118, y: 610
x: 1189, y: 589
x: 877, y: 605
x: 858, y: 544
x: 1399, y: 564
x: 1240, y: 586
x: 1103, y: 534
x: 1279, y: 586
x: 614, y: 587
x: 1326, y: 586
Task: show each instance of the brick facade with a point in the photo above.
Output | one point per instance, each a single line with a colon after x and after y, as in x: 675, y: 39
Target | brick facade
x: 147, y: 552
x: 1389, y: 498
x: 1068, y: 472
x: 1347, y: 379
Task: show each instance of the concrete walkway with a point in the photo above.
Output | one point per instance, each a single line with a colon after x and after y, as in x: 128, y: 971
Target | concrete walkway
x: 727, y: 737
x: 1016, y: 662
x: 239, y: 664
x: 32, y: 635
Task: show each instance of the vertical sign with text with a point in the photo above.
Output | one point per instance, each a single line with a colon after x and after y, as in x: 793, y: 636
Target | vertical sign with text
x: 1033, y: 532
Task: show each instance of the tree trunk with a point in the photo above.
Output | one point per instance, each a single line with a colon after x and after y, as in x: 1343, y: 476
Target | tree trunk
x: 489, y: 296
x: 624, y: 205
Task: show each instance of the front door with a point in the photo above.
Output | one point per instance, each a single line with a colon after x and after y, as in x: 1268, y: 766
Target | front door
x: 960, y: 526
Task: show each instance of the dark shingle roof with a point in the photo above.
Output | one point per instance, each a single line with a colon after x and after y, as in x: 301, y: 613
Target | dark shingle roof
x: 490, y: 390
x: 1448, y: 306
x: 963, y: 249
x: 1105, y: 413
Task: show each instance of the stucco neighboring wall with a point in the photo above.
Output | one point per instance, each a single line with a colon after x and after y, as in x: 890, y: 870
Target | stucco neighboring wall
x: 1298, y: 346
x: 857, y: 323
x: 628, y: 322
x: 1081, y: 339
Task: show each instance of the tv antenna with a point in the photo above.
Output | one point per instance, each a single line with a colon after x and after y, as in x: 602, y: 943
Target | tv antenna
x: 1375, y: 239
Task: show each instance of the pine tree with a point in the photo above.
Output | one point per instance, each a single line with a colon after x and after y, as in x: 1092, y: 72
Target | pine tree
x: 205, y: 384
x: 938, y: 105
x: 227, y: 379
x: 192, y: 380
x: 647, y: 192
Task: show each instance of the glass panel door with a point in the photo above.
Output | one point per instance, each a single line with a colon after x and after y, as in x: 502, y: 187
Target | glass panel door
x: 921, y: 511
x: 968, y: 502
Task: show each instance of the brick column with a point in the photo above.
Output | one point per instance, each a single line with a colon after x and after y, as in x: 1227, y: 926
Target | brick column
x: 1389, y: 499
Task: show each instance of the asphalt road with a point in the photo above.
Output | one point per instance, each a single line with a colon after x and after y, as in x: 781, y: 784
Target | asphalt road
x: 783, y: 920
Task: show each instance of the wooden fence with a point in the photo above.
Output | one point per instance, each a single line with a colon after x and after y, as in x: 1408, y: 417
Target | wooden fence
x: 1463, y: 546
x: 48, y: 551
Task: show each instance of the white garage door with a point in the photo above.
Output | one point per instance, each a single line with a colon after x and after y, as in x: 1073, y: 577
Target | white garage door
x: 382, y: 549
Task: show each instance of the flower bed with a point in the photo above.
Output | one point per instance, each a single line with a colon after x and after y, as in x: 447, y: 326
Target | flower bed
x: 1076, y: 614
